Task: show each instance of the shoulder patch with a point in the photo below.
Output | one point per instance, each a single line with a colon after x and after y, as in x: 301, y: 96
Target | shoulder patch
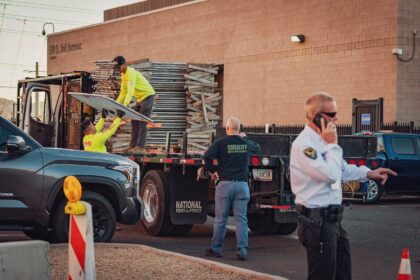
x: 310, y: 153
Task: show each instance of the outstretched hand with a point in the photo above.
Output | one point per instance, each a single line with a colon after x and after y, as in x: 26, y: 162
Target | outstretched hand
x: 381, y: 174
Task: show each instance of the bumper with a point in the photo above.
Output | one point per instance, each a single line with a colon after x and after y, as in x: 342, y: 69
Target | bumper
x: 133, y: 211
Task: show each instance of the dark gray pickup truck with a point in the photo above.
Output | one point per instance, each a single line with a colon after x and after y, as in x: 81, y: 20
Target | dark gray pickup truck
x: 31, y: 183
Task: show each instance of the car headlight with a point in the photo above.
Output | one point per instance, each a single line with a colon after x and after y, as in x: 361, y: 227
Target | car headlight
x: 127, y: 170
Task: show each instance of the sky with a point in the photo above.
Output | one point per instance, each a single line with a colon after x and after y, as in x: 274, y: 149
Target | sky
x: 21, y: 41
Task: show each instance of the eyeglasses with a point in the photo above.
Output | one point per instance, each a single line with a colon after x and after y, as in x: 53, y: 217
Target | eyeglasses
x: 330, y: 114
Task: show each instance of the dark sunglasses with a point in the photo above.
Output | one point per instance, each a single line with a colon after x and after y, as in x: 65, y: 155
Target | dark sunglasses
x: 330, y: 114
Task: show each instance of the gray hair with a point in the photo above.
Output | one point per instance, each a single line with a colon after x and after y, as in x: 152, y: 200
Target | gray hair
x: 315, y: 102
x: 233, y: 123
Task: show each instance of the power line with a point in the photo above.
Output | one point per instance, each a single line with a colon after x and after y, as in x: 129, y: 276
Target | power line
x: 2, y: 18
x: 57, y: 8
x: 13, y: 31
x: 41, y: 21
x: 50, y: 5
x: 48, y: 19
x: 17, y: 52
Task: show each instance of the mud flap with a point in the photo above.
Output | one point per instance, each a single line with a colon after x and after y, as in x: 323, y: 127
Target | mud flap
x: 188, y: 196
x: 286, y: 216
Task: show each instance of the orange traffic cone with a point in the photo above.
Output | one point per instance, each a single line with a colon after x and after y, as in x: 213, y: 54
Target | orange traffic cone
x: 405, y: 267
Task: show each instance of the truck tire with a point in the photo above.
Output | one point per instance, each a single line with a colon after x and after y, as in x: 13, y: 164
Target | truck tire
x: 154, y: 192
x: 103, y: 215
x: 373, y: 193
x: 262, y: 224
x: 39, y: 234
x: 181, y: 230
x: 287, y: 228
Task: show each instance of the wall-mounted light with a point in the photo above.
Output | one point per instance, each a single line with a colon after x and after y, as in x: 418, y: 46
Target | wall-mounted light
x: 43, y: 28
x: 297, y: 38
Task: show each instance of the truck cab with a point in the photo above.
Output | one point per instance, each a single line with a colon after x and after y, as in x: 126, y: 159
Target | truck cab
x: 401, y: 153
x: 31, y: 184
x: 48, y: 114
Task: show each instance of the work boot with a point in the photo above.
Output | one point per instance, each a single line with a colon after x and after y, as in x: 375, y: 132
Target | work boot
x: 211, y: 253
x: 241, y: 257
x: 137, y: 150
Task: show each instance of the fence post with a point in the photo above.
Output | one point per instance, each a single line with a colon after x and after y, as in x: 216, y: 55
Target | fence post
x: 411, y: 127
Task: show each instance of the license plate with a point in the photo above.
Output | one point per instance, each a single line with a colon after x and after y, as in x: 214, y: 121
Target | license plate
x: 262, y: 174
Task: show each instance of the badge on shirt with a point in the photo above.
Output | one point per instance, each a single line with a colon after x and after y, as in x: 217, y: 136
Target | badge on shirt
x: 310, y: 153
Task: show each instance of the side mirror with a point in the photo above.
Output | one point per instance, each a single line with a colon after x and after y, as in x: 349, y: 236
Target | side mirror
x: 16, y: 144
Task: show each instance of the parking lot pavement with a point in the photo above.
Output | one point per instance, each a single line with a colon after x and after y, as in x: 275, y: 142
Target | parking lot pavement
x: 378, y: 233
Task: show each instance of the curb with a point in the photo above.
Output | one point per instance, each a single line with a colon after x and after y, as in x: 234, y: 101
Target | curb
x: 199, y: 260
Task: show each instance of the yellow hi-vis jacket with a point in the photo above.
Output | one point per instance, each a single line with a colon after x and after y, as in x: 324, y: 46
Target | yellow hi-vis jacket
x: 133, y: 83
x: 96, y: 142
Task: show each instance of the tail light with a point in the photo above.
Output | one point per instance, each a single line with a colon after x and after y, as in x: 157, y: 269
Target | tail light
x: 255, y: 161
x: 352, y: 161
x: 362, y: 162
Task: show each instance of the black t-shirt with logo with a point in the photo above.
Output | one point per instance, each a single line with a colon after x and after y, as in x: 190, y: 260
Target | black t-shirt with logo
x: 231, y: 153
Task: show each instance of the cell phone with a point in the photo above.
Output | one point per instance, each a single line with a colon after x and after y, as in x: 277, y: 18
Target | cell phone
x: 317, y: 120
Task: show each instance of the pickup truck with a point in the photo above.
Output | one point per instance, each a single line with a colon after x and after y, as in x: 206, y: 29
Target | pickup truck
x: 399, y: 152
x: 31, y: 187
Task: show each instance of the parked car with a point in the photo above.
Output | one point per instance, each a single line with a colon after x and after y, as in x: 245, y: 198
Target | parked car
x: 401, y: 153
x: 31, y: 187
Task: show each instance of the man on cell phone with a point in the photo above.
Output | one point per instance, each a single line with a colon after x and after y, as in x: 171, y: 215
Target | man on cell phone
x: 316, y: 171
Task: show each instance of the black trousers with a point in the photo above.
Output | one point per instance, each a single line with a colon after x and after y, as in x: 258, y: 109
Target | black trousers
x: 327, y: 249
x: 138, y: 128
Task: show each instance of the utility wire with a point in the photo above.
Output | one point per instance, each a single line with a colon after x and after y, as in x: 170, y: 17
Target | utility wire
x: 50, y: 5
x: 48, y: 19
x: 13, y: 31
x: 47, y: 7
x: 42, y: 21
x: 17, y: 52
x: 2, y: 18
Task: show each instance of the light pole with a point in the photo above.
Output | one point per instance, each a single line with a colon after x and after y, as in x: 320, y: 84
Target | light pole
x: 43, y: 28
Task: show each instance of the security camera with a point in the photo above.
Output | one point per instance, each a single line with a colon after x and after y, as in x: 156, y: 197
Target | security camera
x: 397, y: 51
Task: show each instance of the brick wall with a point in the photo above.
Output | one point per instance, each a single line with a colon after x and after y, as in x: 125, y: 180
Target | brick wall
x: 408, y: 73
x: 267, y: 79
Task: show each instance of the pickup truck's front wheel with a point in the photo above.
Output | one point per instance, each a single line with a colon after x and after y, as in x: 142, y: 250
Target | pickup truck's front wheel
x: 373, y: 192
x: 103, y: 215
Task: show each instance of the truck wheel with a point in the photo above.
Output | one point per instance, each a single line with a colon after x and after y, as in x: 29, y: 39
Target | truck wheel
x: 181, y: 230
x: 103, y: 215
x: 373, y: 192
x: 39, y: 234
x: 287, y: 228
x: 154, y: 192
x: 261, y: 224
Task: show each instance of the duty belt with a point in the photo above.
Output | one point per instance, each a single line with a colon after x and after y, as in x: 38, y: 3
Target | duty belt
x: 331, y: 213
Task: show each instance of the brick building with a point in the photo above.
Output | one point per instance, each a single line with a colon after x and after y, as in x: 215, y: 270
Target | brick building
x: 347, y: 51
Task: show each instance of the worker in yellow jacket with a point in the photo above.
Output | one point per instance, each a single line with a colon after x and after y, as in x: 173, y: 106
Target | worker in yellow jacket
x: 135, y: 86
x: 95, y: 139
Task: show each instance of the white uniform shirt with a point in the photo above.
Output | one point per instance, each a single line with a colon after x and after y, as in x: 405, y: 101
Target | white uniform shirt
x: 317, y: 169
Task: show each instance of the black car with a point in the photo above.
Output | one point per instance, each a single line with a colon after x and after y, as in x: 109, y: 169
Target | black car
x: 31, y: 187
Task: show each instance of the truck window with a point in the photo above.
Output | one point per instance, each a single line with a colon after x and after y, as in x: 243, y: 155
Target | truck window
x: 4, y: 135
x: 380, y: 144
x: 403, y: 145
x: 40, y: 107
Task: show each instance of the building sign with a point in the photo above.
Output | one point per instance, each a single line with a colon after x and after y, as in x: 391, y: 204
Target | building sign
x: 56, y: 49
x: 365, y: 119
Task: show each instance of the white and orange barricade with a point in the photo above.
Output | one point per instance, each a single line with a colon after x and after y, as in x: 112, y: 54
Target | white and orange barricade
x: 81, y: 246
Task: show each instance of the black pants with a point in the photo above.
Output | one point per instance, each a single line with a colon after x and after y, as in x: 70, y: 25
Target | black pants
x: 334, y: 260
x: 139, y: 128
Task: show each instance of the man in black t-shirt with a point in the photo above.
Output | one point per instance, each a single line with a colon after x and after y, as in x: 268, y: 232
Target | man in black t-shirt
x: 232, y: 191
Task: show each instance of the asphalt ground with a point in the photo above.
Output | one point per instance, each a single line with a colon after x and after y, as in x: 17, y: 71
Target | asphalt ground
x: 378, y: 233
